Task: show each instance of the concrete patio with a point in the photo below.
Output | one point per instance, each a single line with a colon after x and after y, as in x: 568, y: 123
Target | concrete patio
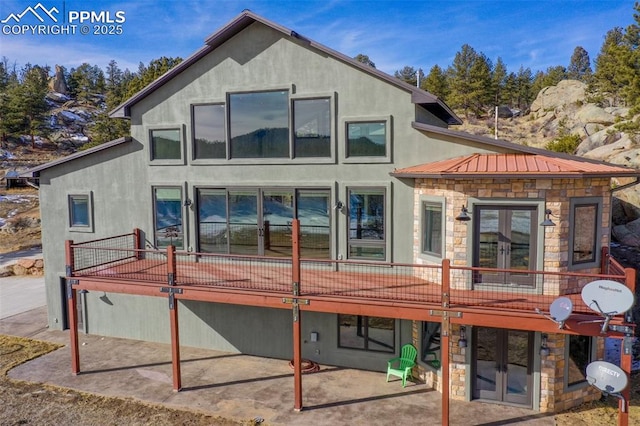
x: 244, y: 387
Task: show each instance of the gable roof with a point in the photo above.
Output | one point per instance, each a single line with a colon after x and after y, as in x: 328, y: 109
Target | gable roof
x: 418, y: 96
x: 514, y: 166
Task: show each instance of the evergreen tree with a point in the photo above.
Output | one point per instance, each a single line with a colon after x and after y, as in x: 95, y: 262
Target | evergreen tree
x: 85, y: 81
x: 26, y: 107
x: 524, y: 94
x: 436, y: 82
x: 611, y: 63
x: 580, y: 65
x: 499, y: 82
x: 407, y: 74
x: 460, y: 79
x: 554, y: 75
x: 146, y: 75
x: 364, y: 59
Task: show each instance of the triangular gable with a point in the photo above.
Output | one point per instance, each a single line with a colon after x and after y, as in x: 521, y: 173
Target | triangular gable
x: 246, y: 18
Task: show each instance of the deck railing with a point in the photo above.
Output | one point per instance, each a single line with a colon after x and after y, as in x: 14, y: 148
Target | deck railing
x: 121, y: 258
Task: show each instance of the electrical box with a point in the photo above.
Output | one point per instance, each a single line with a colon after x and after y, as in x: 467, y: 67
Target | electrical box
x: 314, y: 336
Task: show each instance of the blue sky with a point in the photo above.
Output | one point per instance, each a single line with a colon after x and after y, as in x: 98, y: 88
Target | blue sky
x: 534, y: 34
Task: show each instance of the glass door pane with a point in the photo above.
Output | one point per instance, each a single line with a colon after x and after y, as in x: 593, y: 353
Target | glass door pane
x: 313, y: 213
x: 277, y: 213
x: 243, y: 222
x: 212, y: 221
x: 487, y: 363
x: 517, y: 383
x: 520, y: 239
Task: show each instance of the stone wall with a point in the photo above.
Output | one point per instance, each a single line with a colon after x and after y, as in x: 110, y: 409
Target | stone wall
x: 25, y: 266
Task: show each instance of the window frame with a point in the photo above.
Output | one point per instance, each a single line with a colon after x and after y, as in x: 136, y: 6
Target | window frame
x: 182, y: 235
x: 368, y: 243
x: 592, y: 355
x: 194, y: 158
x: 365, y: 322
x: 166, y: 161
x: 387, y: 158
x: 308, y: 97
x: 89, y: 198
x: 434, y: 201
x: 597, y: 243
x: 229, y: 117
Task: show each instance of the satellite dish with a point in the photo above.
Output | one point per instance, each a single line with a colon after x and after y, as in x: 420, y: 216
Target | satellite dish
x: 607, y: 297
x: 559, y: 310
x: 607, y: 377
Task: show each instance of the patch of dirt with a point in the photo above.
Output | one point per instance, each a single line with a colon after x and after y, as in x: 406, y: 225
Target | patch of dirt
x: 19, y: 207
x: 26, y: 403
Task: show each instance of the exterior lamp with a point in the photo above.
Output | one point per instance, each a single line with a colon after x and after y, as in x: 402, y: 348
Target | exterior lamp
x: 547, y: 219
x: 463, y: 216
x: 544, y: 349
x: 462, y: 342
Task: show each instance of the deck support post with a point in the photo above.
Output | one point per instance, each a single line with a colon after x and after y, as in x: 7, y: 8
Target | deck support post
x: 72, y: 309
x: 138, y: 244
x: 173, y: 319
x: 626, y: 354
x: 444, y: 339
x: 297, y: 333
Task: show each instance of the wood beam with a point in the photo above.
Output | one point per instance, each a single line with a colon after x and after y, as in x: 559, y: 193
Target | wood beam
x: 297, y: 314
x: 72, y: 310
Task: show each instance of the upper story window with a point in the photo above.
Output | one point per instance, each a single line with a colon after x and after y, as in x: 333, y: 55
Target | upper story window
x: 367, y: 139
x: 259, y: 124
x: 166, y: 144
x: 583, y: 240
x: 80, y: 213
x: 312, y: 127
x: 367, y: 238
x: 432, y: 228
x: 209, y: 138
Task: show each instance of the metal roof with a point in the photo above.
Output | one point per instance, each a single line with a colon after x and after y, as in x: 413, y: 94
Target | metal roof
x: 517, y: 165
x: 418, y: 96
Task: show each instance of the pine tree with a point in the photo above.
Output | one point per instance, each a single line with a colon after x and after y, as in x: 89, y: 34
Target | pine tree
x: 436, y: 82
x: 460, y: 79
x: 499, y: 82
x: 26, y: 105
x: 364, y: 59
x: 407, y: 74
x: 580, y: 65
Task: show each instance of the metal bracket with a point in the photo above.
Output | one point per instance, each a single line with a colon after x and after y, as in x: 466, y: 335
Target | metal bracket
x: 171, y: 278
x: 172, y: 291
x: 627, y: 345
x: 438, y: 312
x: 621, y: 329
x: 296, y: 305
x: 68, y: 270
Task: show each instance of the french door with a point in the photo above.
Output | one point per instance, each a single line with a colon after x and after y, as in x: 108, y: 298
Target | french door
x: 506, y: 239
x: 502, y: 361
x: 257, y: 221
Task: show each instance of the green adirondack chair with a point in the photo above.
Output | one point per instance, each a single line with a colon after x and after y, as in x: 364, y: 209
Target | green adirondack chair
x: 403, y: 365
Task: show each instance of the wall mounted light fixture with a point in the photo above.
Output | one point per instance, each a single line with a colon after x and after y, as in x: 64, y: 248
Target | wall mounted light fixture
x: 462, y: 342
x: 339, y: 205
x: 547, y: 219
x: 464, y: 215
x: 544, y: 349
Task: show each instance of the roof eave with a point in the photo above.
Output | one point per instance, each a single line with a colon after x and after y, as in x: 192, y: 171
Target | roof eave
x: 419, y: 175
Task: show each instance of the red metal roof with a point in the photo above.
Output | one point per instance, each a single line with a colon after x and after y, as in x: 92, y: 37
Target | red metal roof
x: 514, y: 165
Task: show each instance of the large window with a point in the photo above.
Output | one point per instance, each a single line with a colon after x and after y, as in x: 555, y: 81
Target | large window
x: 80, y: 212
x: 578, y: 354
x: 257, y: 221
x: 367, y: 223
x: 259, y: 124
x: 367, y: 139
x: 166, y: 144
x: 312, y: 127
x: 167, y: 202
x: 585, y: 223
x: 432, y: 228
x: 209, y: 139
x: 366, y: 333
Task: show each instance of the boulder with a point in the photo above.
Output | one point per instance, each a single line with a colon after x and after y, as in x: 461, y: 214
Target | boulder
x: 628, y: 234
x: 566, y: 92
x: 592, y: 113
x: 57, y: 83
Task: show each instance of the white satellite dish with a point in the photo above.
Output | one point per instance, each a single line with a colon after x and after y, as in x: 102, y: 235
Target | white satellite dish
x: 609, y: 378
x: 608, y: 298
x: 559, y: 310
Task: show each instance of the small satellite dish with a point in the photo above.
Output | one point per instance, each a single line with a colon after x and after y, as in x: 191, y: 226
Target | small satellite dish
x: 559, y: 310
x: 607, y: 377
x: 607, y: 297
